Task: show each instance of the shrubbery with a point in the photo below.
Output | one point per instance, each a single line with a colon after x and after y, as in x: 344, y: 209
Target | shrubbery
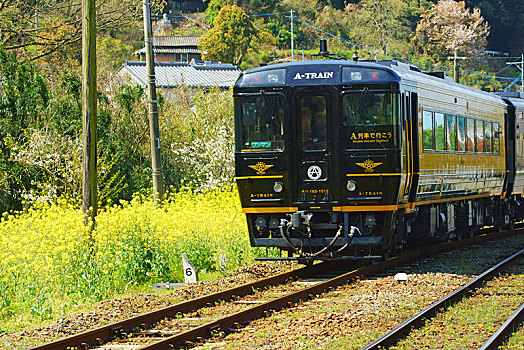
x: 49, y: 262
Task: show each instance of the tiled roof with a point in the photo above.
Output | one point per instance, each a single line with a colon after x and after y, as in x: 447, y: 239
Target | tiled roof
x: 175, y: 40
x: 171, y: 74
x: 173, y: 44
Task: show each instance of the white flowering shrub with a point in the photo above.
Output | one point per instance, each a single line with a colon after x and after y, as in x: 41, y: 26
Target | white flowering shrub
x: 199, y: 134
x: 57, y: 157
x: 57, y: 160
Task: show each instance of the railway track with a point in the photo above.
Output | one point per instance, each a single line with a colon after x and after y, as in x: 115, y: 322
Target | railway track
x: 147, y: 332
x: 400, y: 333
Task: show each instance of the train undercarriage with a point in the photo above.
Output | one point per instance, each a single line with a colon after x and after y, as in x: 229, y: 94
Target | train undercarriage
x: 326, y: 234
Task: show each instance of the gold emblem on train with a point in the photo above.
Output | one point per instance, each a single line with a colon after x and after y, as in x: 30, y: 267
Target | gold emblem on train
x: 260, y: 167
x: 369, y: 165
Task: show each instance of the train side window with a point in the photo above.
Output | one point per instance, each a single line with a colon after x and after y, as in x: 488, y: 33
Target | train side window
x: 479, y: 135
x: 440, y: 137
x: 496, y: 138
x: 451, y: 133
x: 487, y: 136
x: 470, y: 141
x: 461, y: 134
x: 427, y: 130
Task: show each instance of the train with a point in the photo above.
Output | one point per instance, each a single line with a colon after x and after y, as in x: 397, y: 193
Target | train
x: 357, y: 158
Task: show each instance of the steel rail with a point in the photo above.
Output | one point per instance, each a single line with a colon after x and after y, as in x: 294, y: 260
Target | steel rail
x: 109, y: 331
x: 392, y: 337
x: 511, y: 324
x: 223, y: 324
x: 105, y: 333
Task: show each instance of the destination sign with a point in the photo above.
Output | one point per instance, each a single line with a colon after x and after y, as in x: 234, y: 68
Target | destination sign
x: 313, y: 75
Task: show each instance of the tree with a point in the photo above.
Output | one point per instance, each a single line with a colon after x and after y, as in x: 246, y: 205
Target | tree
x: 384, y: 22
x: 111, y: 53
x: 24, y: 98
x: 450, y: 28
x: 57, y: 26
x: 24, y: 95
x: 230, y: 38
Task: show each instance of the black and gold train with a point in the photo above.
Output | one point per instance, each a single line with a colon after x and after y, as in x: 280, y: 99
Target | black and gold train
x: 345, y: 158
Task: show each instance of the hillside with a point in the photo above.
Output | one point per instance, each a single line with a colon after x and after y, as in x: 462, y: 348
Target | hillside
x: 504, y: 17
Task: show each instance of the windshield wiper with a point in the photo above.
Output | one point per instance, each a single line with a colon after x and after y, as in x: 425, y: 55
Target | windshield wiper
x: 266, y: 100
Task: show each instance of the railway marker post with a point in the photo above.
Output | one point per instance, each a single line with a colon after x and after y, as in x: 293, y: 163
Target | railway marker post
x: 222, y: 262
x: 190, y: 272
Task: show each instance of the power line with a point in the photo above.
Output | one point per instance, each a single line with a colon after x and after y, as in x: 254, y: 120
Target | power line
x: 521, y: 67
x: 205, y: 16
x: 374, y: 50
x: 395, y: 56
x: 48, y: 9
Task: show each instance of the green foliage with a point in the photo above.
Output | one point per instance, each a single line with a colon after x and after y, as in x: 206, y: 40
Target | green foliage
x: 23, y: 95
x: 111, y: 53
x: 24, y: 98
x: 200, y: 251
x: 230, y: 38
x: 483, y: 81
x: 213, y: 8
x: 65, y: 110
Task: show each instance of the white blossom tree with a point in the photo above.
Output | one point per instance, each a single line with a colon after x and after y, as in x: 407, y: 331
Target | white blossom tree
x: 450, y: 28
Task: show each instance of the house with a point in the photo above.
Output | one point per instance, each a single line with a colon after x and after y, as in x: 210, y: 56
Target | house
x: 174, y: 49
x: 173, y: 74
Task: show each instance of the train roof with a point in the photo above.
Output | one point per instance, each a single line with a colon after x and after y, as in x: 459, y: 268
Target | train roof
x: 516, y: 98
x: 341, y: 72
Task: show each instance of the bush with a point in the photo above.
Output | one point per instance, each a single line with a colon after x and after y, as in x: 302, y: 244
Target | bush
x: 199, y: 133
x: 49, y: 262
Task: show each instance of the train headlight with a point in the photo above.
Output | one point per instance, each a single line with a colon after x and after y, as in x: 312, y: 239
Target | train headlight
x: 351, y: 185
x: 278, y: 187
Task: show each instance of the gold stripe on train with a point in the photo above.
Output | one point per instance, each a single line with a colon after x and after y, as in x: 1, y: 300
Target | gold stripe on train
x: 259, y: 177
x: 269, y: 210
x: 376, y: 174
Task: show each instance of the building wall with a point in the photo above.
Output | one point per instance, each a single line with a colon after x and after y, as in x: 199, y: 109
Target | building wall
x: 177, y: 57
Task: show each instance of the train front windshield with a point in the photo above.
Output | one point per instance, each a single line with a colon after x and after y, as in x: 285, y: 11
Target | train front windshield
x: 370, y: 120
x: 260, y: 123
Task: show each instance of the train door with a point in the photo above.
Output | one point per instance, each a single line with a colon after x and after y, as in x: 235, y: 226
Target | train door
x: 315, y: 174
x: 414, y: 163
x: 407, y: 143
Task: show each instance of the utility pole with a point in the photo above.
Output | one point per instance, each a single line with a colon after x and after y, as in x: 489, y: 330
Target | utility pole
x: 89, y: 173
x: 292, y: 43
x: 521, y: 70
x: 154, y: 129
x: 36, y: 17
x: 456, y: 73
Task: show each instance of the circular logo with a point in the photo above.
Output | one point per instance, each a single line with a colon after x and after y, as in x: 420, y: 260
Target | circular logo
x: 314, y: 172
